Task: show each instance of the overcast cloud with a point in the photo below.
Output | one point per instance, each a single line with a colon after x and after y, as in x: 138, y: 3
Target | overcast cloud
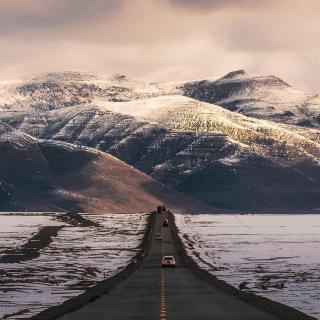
x: 162, y: 40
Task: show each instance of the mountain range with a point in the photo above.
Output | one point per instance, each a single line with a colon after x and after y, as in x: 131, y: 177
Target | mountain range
x: 240, y: 142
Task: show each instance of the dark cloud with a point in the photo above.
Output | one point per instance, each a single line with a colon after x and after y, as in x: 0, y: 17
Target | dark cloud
x: 162, y: 39
x: 48, y: 14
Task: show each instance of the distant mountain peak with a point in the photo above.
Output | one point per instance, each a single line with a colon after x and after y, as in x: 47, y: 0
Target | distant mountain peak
x: 239, y: 75
x: 235, y: 74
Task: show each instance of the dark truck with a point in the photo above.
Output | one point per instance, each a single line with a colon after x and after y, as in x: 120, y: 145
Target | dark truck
x: 161, y: 209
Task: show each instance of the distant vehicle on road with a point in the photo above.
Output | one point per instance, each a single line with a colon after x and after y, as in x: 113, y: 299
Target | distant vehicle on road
x: 158, y: 236
x: 165, y: 223
x: 161, y: 209
x: 168, y: 262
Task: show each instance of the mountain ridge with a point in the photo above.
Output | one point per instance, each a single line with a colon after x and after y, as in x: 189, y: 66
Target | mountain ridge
x: 199, y: 148
x: 176, y: 139
x: 262, y: 97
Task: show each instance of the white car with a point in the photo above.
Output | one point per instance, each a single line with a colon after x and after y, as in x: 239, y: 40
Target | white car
x: 168, y: 261
x: 158, y: 236
x: 165, y: 223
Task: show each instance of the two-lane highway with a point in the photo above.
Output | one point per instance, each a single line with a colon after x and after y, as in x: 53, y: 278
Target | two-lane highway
x: 155, y: 293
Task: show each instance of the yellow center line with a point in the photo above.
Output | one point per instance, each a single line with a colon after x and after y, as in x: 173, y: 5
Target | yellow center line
x: 163, y: 312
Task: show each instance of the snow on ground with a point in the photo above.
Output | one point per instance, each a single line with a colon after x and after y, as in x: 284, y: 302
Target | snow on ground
x: 76, y: 259
x: 182, y: 113
x: 265, y: 97
x: 16, y: 230
x: 280, y: 98
x: 276, y: 256
x: 55, y: 90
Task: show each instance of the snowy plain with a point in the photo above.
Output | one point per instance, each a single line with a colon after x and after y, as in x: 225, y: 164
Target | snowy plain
x: 276, y: 256
x: 78, y: 258
x: 16, y: 230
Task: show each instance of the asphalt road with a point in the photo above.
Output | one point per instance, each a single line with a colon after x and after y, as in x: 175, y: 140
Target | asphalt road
x: 155, y: 293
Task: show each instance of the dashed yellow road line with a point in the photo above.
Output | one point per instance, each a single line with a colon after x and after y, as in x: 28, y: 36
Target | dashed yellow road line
x: 163, y: 312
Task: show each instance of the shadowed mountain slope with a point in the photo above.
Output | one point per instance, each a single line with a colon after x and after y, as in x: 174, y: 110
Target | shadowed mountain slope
x: 50, y: 175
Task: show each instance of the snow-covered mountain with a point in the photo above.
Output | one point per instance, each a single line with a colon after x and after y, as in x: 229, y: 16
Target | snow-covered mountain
x: 222, y: 157
x: 58, y: 90
x: 258, y: 96
x: 262, y: 97
x: 203, y: 150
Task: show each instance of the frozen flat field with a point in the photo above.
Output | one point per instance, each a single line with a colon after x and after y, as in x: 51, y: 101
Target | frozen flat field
x: 16, y: 230
x: 276, y: 256
x: 75, y: 260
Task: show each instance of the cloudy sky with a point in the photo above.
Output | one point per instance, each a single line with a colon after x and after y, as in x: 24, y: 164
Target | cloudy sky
x: 163, y: 40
